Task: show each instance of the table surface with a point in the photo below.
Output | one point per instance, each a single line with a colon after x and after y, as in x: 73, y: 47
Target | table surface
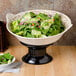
x: 63, y: 64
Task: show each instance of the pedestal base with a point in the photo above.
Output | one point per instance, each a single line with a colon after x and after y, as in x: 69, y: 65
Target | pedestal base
x: 36, y: 55
x: 37, y: 60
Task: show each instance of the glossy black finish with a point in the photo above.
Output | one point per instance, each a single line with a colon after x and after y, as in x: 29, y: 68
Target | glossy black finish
x: 37, y: 60
x: 36, y: 55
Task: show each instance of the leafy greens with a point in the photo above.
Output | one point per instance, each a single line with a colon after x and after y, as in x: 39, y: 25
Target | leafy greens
x: 40, y: 25
x: 6, y: 58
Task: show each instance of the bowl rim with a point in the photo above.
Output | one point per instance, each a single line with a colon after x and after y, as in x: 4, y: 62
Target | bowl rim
x: 40, y: 10
x: 13, y: 60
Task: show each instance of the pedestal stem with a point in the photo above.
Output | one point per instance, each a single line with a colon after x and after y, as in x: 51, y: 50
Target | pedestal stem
x: 36, y: 55
x: 37, y: 51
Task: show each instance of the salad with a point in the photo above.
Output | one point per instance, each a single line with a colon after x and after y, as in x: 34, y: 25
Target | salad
x: 40, y: 25
x: 6, y: 58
